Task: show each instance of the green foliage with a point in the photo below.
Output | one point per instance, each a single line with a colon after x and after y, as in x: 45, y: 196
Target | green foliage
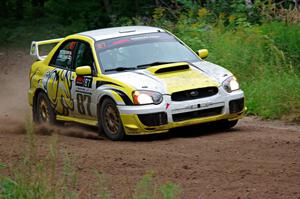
x: 2, y: 166
x: 287, y: 38
x: 96, y: 14
x: 264, y: 58
x: 274, y: 96
x: 146, y: 189
x: 89, y: 14
x: 35, y: 177
x: 102, y: 188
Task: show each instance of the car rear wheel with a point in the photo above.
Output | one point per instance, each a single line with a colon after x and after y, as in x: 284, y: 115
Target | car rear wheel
x: 110, y: 120
x: 44, y: 112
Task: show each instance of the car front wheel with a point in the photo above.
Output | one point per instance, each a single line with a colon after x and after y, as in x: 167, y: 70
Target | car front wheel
x: 110, y: 120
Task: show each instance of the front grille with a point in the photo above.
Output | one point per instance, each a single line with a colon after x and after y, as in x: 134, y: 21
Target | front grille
x: 194, y: 94
x: 197, y: 114
x: 154, y: 119
x: 236, y: 106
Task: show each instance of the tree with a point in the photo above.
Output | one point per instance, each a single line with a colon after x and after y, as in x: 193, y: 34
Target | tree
x: 38, y: 7
x: 19, y: 9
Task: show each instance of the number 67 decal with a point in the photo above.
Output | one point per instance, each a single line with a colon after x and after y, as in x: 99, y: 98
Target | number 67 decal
x: 81, y: 100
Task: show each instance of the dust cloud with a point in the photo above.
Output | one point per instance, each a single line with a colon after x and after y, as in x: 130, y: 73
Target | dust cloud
x: 15, y: 111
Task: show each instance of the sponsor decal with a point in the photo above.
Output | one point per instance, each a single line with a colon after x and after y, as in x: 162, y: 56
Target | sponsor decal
x: 145, y: 37
x: 120, y: 41
x: 167, y: 106
x: 100, y: 45
x: 58, y: 84
x: 84, y: 103
x: 84, y: 81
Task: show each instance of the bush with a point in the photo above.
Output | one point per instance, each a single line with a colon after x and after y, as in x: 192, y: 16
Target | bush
x: 264, y: 58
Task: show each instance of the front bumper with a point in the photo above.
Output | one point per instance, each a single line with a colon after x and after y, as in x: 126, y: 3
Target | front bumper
x: 150, y: 119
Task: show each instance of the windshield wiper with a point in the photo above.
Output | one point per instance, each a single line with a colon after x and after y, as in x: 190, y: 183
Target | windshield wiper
x: 120, y: 69
x: 153, y: 64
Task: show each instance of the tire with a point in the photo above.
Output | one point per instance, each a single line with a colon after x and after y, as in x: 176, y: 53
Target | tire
x: 110, y: 120
x: 43, y: 112
x: 226, y: 124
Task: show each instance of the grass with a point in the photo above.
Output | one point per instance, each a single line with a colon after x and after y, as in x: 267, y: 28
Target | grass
x: 266, y: 60
x: 39, y: 177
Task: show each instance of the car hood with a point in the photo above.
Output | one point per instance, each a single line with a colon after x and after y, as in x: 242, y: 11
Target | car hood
x: 213, y: 70
x: 200, y: 74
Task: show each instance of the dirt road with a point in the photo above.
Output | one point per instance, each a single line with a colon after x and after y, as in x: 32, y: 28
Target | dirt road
x: 257, y: 159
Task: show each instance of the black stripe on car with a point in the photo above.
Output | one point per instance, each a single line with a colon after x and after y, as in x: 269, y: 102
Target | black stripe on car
x: 101, y: 83
x: 124, y: 97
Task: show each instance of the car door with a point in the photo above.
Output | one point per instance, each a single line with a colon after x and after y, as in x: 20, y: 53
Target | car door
x: 83, y: 88
x: 59, y: 79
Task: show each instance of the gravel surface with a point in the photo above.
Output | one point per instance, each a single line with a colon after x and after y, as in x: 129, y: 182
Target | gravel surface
x: 256, y: 159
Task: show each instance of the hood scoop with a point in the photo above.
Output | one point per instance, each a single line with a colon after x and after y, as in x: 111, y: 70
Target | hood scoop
x: 166, y: 68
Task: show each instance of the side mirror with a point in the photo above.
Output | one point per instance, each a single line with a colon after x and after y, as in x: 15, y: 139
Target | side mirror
x: 203, y: 53
x: 83, y: 70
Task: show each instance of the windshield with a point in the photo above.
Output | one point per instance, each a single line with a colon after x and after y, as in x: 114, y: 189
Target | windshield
x: 141, y: 51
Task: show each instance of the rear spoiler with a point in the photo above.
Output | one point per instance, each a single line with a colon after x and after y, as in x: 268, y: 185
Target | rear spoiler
x: 34, y: 50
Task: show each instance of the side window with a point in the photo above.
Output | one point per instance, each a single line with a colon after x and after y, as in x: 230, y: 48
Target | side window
x: 64, y: 56
x: 84, y: 56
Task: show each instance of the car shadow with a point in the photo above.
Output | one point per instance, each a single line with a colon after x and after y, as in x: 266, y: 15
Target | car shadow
x: 182, y: 132
x: 90, y: 132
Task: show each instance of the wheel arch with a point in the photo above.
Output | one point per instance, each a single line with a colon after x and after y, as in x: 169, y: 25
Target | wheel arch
x: 117, y: 96
x: 52, y: 113
x: 35, y: 96
x: 34, y: 104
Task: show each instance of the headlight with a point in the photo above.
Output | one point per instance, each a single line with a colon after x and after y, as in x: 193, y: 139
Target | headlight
x: 231, y: 84
x: 146, y: 97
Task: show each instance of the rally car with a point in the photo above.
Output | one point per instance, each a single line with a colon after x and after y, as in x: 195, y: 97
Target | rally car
x: 130, y: 80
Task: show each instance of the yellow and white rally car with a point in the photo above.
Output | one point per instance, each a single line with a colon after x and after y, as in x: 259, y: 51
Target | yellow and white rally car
x: 130, y: 80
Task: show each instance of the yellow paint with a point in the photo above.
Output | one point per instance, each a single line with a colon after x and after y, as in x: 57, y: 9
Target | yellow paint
x: 124, y: 87
x: 117, y: 96
x: 203, y: 53
x: 133, y: 126
x: 58, y: 86
x: 41, y: 69
x: 180, y: 80
x: 83, y: 70
x: 186, y: 80
x: 78, y: 120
